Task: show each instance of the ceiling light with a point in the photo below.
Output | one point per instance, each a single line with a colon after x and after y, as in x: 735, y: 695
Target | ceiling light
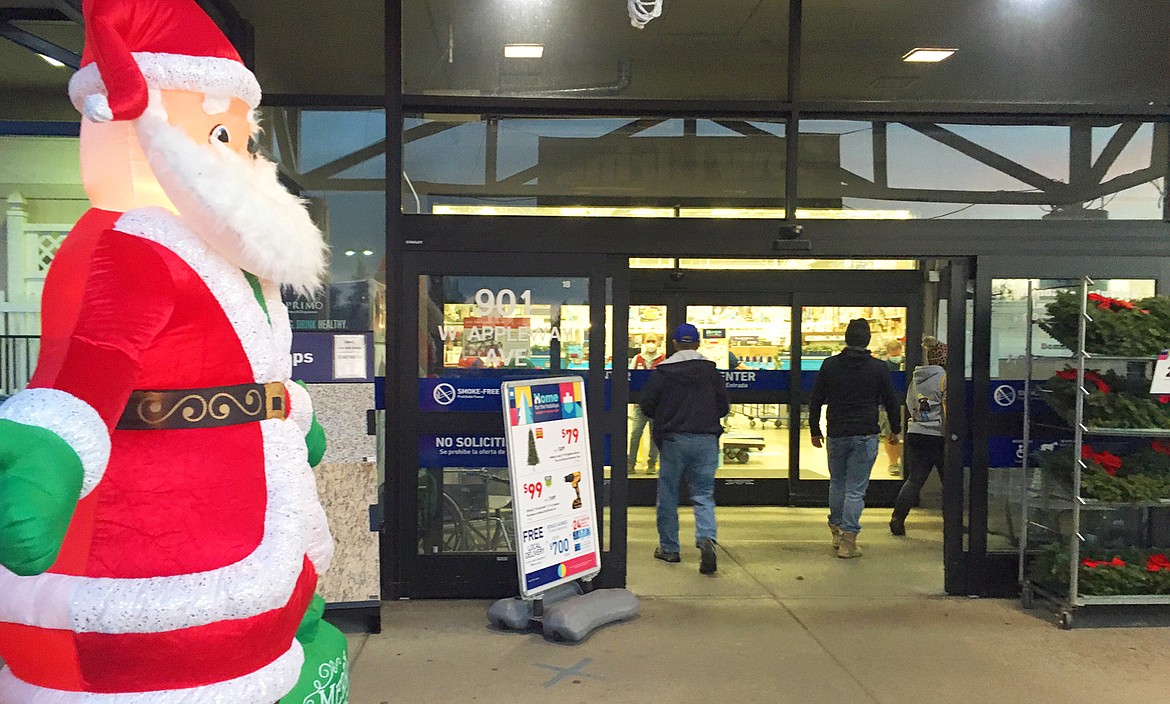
x: 523, y: 51
x: 51, y: 61
x: 928, y: 55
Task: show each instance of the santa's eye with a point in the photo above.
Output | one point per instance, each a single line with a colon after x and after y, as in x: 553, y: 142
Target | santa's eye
x: 220, y: 133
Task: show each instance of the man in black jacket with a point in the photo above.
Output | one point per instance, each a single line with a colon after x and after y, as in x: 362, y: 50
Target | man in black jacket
x: 686, y: 398
x: 852, y: 384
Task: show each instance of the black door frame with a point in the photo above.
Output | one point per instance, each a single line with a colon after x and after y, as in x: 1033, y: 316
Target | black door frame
x: 490, y: 575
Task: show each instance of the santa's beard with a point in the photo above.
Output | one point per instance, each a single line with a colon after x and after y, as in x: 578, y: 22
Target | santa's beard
x: 236, y: 204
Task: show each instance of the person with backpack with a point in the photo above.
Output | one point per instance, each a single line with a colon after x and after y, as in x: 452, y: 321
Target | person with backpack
x: 925, y: 429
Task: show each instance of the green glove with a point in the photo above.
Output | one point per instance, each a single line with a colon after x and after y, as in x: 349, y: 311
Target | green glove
x: 40, y: 484
x: 325, y: 675
x: 315, y: 438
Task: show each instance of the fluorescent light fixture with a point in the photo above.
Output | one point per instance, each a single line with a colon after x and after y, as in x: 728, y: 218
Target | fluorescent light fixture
x: 927, y: 56
x: 653, y: 212
x: 51, y: 61
x: 523, y: 51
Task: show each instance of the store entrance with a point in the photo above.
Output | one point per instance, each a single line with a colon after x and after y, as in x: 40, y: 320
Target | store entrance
x: 769, y: 332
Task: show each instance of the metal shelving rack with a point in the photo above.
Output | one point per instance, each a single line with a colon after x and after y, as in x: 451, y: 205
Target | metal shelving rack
x: 1038, y: 493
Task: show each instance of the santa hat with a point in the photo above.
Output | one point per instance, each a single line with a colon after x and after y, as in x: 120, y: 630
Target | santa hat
x: 134, y: 45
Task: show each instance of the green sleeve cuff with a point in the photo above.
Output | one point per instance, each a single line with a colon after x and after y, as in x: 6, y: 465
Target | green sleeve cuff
x: 315, y: 441
x: 40, y: 485
x: 315, y: 438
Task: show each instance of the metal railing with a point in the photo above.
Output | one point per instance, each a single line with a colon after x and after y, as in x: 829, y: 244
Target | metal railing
x: 18, y: 358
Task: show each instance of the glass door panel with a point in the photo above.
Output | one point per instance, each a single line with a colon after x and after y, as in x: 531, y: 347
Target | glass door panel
x: 474, y: 332
x: 752, y: 345
x: 822, y: 334
x: 646, y: 348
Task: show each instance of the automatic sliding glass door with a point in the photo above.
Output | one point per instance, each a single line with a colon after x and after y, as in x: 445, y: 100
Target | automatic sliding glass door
x: 822, y: 334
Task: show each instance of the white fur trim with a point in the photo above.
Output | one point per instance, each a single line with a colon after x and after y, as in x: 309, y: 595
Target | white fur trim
x: 263, y: 686
x: 73, y: 420
x: 235, y: 203
x: 301, y: 405
x: 97, y: 108
x: 261, y: 582
x: 320, y: 547
x: 226, y: 282
x: 199, y: 74
x: 281, y: 330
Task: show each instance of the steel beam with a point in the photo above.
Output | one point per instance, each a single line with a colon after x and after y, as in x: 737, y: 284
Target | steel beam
x: 986, y: 156
x: 36, y: 44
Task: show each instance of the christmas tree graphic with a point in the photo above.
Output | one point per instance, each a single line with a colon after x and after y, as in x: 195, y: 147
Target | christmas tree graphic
x: 533, y: 458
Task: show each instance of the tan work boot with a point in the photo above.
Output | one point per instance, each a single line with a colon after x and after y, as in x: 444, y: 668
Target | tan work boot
x: 848, y: 548
x: 836, y: 531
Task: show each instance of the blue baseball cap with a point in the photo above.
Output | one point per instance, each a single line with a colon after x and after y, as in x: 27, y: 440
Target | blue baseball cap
x: 686, y: 333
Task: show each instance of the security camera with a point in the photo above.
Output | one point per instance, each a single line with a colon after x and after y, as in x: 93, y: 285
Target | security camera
x: 790, y: 232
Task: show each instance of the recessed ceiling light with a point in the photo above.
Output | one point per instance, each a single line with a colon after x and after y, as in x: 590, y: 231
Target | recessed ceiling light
x: 928, y: 55
x: 51, y: 61
x: 523, y: 51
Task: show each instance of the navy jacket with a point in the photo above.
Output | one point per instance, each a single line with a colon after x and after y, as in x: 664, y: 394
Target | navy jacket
x: 685, y: 394
x: 853, y: 384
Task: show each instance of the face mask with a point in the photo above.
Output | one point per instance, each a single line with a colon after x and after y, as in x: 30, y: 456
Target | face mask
x: 896, y: 360
x: 649, y: 348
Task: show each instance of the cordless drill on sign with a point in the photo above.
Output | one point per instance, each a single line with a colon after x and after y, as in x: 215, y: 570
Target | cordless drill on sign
x: 575, y: 480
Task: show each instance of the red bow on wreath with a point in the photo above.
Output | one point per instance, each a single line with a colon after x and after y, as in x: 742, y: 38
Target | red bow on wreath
x: 1115, y: 562
x: 1107, y: 303
x: 1090, y: 376
x: 1158, y: 562
x: 1112, y: 304
x: 1108, y: 461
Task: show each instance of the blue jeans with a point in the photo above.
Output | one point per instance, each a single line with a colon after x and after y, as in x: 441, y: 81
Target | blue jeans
x: 637, y: 426
x: 850, y: 462
x: 695, y: 457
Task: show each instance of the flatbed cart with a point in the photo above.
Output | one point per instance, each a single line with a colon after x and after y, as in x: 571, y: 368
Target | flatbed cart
x: 737, y: 448
x: 762, y: 412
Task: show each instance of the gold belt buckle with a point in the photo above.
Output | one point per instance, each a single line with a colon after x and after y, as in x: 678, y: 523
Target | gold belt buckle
x: 274, y: 401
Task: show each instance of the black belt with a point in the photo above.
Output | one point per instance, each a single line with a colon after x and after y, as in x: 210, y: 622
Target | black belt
x: 213, y: 407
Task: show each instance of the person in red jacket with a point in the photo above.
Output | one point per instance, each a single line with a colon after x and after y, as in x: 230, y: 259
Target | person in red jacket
x: 648, y: 357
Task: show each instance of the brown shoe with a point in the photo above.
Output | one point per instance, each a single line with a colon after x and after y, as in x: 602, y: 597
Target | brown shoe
x: 848, y: 548
x: 836, y: 531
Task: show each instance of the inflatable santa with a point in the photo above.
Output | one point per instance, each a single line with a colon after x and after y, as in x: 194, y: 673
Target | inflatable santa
x: 160, y: 533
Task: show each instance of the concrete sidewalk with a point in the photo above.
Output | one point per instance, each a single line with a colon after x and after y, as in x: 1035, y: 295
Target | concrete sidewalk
x: 783, y: 621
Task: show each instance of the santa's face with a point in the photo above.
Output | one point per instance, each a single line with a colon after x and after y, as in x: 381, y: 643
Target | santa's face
x: 197, y: 149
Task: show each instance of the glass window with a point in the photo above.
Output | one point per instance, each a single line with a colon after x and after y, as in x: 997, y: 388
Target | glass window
x: 752, y: 346
x: 582, y: 167
x: 580, y: 48
x: 501, y: 322
x: 465, y: 510
x: 919, y: 170
x: 822, y: 333
x: 1009, y: 327
x: 335, y: 159
x: 802, y: 264
x: 1068, y: 52
x: 645, y: 350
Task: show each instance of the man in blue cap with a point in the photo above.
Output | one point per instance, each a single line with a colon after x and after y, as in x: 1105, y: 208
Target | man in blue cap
x: 686, y: 398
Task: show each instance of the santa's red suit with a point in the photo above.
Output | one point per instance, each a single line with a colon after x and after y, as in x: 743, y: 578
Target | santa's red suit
x: 186, y: 569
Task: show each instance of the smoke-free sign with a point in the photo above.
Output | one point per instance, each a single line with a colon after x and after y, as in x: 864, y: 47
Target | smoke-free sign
x: 552, y: 482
